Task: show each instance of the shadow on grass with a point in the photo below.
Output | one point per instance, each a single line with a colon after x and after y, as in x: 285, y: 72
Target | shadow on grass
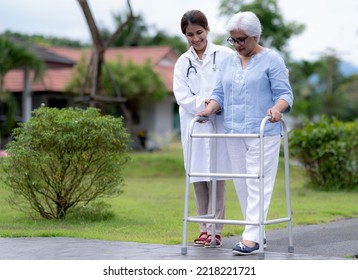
x: 93, y: 212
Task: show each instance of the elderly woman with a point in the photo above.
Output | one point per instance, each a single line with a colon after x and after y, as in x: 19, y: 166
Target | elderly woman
x: 253, y: 83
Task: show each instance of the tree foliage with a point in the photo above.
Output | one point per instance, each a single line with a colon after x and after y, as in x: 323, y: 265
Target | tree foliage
x: 276, y: 31
x: 63, y: 159
x: 307, y: 102
x: 321, y: 89
x: 349, y: 89
x: 139, y: 33
x: 42, y: 40
x: 138, y: 84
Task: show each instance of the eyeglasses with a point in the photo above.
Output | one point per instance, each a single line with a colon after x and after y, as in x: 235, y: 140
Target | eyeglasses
x: 240, y: 40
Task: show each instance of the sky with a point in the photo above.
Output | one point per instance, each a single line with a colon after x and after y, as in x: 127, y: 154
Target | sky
x: 330, y: 24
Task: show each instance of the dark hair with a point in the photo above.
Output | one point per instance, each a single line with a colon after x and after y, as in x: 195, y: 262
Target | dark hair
x: 193, y: 17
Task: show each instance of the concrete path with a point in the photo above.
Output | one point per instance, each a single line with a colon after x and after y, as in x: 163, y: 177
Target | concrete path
x: 337, y: 240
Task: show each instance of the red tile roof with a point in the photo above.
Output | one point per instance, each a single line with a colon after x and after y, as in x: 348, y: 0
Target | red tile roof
x: 54, y: 80
x: 162, y: 58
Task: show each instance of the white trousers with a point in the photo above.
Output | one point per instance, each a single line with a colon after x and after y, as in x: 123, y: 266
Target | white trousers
x: 203, y: 199
x: 244, y: 157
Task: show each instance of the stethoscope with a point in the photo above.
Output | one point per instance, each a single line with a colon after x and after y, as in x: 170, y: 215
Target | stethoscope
x: 192, y: 67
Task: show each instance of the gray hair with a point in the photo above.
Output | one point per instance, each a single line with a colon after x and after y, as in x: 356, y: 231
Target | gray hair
x: 246, y: 22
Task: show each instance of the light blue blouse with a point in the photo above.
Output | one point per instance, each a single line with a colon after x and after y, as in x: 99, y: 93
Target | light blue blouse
x: 245, y: 95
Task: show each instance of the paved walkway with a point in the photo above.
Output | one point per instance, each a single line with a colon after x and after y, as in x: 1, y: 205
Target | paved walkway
x: 337, y: 240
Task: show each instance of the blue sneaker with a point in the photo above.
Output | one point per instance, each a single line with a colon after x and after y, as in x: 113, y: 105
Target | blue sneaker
x: 242, y: 249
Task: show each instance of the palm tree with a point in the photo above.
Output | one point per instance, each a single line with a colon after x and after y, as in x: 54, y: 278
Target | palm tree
x: 14, y: 56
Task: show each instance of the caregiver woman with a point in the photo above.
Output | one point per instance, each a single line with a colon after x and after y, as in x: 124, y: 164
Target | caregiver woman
x: 194, y: 79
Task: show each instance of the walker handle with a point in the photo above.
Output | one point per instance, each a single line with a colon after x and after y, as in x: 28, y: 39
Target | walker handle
x: 201, y: 119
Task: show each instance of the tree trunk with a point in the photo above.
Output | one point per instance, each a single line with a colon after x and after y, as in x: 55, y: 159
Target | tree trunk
x: 98, y: 61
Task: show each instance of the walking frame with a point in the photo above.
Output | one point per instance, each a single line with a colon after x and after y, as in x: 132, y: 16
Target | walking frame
x: 211, y: 217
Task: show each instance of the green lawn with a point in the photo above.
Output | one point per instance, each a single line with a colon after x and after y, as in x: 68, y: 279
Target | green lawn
x: 151, y: 208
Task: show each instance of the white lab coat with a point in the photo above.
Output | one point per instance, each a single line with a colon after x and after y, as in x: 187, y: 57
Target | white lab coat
x: 190, y: 93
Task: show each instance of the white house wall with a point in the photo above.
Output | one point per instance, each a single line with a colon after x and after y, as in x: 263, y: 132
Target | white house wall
x: 157, y: 119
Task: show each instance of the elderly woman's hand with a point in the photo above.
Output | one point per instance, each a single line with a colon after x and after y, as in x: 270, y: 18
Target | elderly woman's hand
x: 276, y: 111
x: 275, y: 114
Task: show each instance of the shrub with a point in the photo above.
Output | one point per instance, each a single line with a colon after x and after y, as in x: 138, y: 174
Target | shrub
x: 63, y: 159
x: 328, y: 150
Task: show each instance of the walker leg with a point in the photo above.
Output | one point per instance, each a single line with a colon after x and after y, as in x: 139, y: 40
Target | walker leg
x: 291, y: 249
x: 290, y: 238
x: 213, y: 212
x: 288, y: 194
x: 185, y: 219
